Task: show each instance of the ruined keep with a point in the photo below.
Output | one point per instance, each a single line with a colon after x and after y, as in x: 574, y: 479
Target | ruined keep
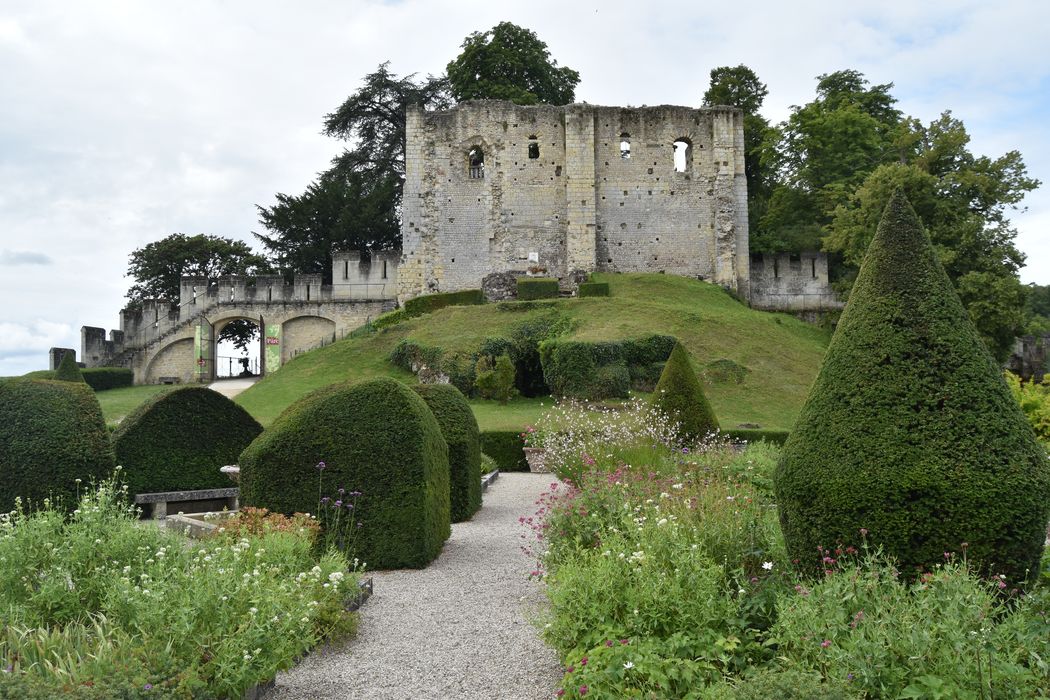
x: 492, y: 186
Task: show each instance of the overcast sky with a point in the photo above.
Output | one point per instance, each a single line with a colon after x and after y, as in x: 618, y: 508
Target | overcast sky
x: 123, y: 122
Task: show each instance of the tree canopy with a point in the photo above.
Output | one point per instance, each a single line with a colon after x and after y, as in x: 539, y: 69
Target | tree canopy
x: 509, y: 62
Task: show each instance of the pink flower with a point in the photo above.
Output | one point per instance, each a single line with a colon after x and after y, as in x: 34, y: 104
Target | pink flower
x: 583, y: 690
x: 825, y: 644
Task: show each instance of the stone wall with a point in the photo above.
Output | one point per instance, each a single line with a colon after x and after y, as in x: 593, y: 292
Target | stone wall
x: 792, y: 282
x: 304, y: 333
x: 554, y: 191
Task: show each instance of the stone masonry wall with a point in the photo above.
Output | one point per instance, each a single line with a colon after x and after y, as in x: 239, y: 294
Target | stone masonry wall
x: 555, y: 193
x: 787, y: 282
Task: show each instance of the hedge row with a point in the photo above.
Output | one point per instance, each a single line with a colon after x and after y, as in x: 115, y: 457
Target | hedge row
x: 432, y: 302
x: 459, y: 427
x: 178, y: 440
x: 606, y: 369
x: 52, y: 435
x: 506, y: 447
x: 593, y: 289
x: 530, y: 288
x: 776, y: 437
x: 98, y: 378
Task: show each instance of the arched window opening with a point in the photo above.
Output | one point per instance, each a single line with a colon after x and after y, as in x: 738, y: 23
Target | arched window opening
x: 625, y: 145
x: 534, y: 148
x: 683, y: 155
x: 476, y: 163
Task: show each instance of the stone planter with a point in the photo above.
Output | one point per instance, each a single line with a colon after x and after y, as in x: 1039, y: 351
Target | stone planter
x: 536, y: 458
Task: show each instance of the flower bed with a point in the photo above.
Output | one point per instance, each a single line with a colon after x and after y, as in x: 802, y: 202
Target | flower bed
x: 667, y: 577
x: 98, y: 606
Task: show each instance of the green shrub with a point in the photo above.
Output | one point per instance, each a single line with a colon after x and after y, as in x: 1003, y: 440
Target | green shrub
x: 105, y: 378
x: 749, y: 435
x: 593, y: 289
x: 506, y: 447
x: 177, y: 440
x: 680, y: 396
x: 523, y: 306
x: 52, y: 434
x: 67, y: 370
x: 645, y: 377
x: 909, y: 430
x: 571, y: 368
x: 391, y: 318
x: 377, y: 437
x: 648, y: 349
x: 531, y: 288
x: 459, y: 427
x: 495, y: 380
x: 418, y: 306
x: 1034, y: 400
x: 488, y: 465
x: 791, y: 684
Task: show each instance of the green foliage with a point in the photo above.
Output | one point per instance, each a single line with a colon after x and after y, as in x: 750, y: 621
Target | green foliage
x: 509, y: 62
x: 505, y: 448
x: 593, y: 289
x: 525, y: 306
x: 909, y: 431
x: 680, y: 396
x: 585, y: 370
x: 67, y: 370
x: 106, y: 378
x: 789, y: 684
x: 178, y: 440
x: 157, y: 267
x: 488, y: 464
x: 948, y: 635
x: 418, y: 306
x: 377, y: 437
x: 389, y: 319
x: 117, y: 610
x: 1034, y: 400
x: 750, y: 435
x: 531, y: 288
x: 724, y: 371
x: 52, y: 435
x: 460, y: 430
x: 495, y: 380
x: 353, y: 205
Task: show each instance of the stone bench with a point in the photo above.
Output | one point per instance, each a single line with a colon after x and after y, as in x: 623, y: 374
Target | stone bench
x: 159, y: 501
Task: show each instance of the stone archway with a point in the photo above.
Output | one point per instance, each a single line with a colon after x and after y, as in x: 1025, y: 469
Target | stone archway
x: 230, y: 358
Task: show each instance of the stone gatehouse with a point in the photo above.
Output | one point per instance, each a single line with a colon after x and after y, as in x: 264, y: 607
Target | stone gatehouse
x: 492, y: 186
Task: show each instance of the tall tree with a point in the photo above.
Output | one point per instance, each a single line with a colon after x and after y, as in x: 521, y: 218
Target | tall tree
x: 356, y: 203
x: 739, y: 86
x: 509, y: 62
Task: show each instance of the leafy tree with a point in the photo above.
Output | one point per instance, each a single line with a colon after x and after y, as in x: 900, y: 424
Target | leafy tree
x: 509, y: 62
x: 157, y: 267
x: 909, y: 432
x: 962, y: 201
x: 739, y: 86
x: 356, y: 203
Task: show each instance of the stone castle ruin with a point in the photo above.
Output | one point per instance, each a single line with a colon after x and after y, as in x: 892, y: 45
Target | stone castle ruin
x: 497, y: 188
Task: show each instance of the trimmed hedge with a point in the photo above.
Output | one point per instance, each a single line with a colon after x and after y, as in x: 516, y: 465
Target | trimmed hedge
x: 377, y: 437
x: 593, y: 289
x: 680, y: 396
x: 531, y: 288
x: 51, y: 434
x: 418, y: 306
x: 105, y: 378
x: 506, y: 447
x: 522, y: 306
x: 177, y: 440
x: 67, y: 370
x: 459, y: 427
x: 910, y: 431
x: 603, y: 370
x: 776, y: 437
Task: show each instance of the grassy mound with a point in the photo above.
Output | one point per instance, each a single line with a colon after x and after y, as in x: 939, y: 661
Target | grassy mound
x: 377, y: 437
x: 178, y: 440
x: 460, y: 430
x: 51, y: 435
x: 910, y: 431
x: 781, y: 352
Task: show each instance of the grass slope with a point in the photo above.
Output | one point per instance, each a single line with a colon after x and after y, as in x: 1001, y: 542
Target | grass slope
x: 782, y: 352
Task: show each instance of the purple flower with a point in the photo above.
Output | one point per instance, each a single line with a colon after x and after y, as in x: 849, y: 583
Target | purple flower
x: 349, y: 506
x: 338, y: 504
x: 148, y: 686
x: 321, y: 466
x: 583, y: 690
x: 341, y: 491
x: 325, y: 499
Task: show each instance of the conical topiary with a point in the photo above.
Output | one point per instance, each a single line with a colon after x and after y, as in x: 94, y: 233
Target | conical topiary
x: 67, y: 370
x: 909, y: 435
x: 680, y: 395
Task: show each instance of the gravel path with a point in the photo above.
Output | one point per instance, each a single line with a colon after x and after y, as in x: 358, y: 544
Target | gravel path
x: 459, y: 629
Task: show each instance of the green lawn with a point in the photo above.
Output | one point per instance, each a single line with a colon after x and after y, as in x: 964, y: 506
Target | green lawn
x: 781, y: 353
x: 117, y: 403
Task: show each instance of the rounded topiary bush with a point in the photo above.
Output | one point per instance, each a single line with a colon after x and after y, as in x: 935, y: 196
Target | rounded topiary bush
x: 909, y: 430
x: 377, y: 437
x: 179, y: 439
x: 679, y: 395
x: 460, y: 430
x: 51, y: 434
